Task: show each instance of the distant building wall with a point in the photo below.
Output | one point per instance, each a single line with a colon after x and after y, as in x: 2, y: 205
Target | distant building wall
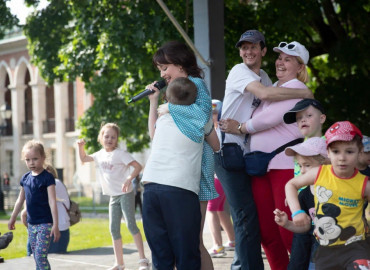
x: 30, y: 100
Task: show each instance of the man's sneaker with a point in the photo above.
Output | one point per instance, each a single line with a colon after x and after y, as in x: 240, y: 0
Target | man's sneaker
x: 216, y: 252
x: 230, y: 246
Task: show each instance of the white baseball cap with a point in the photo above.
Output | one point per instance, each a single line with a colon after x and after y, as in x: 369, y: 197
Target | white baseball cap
x: 293, y: 48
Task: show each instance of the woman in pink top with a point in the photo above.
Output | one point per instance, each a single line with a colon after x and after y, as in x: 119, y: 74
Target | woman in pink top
x: 267, y: 132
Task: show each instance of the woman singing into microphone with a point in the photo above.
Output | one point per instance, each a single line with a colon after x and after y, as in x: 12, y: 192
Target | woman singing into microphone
x: 173, y: 60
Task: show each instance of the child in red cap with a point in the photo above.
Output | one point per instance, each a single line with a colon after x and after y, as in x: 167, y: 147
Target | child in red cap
x: 340, y: 193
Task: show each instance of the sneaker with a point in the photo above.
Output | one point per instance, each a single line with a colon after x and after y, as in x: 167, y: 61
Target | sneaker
x: 144, y: 264
x: 216, y: 252
x: 230, y: 246
x: 117, y: 267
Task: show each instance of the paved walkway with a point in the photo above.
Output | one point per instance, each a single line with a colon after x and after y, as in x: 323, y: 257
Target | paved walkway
x: 103, y: 258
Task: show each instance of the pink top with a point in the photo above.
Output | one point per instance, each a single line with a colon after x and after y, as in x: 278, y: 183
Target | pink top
x: 268, y: 130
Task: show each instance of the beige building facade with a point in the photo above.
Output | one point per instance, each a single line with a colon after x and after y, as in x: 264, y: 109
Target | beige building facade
x: 43, y: 112
x: 39, y: 111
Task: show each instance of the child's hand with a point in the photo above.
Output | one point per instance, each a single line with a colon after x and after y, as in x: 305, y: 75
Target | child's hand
x: 163, y: 109
x: 301, y: 219
x: 281, y: 218
x: 126, y: 185
x: 11, y: 224
x: 24, y: 217
x: 81, y: 142
x: 55, y: 232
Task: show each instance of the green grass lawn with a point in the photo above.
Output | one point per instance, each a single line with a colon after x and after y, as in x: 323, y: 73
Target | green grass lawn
x: 89, y: 233
x: 87, y: 205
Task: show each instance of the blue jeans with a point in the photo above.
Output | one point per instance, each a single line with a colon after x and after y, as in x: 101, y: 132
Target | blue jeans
x: 238, y: 190
x: 301, y: 251
x: 61, y: 245
x: 171, y: 219
x: 235, y: 264
x: 304, y: 246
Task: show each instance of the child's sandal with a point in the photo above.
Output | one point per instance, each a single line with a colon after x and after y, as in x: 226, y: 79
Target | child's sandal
x: 144, y: 261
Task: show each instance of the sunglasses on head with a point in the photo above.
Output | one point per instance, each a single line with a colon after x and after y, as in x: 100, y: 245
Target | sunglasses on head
x: 287, y: 45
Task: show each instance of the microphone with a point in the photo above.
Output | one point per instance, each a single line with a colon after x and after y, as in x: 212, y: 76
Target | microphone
x: 147, y: 92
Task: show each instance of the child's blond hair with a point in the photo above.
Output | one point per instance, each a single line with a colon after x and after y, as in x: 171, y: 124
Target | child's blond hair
x: 51, y: 170
x: 33, y: 144
x: 319, y: 158
x: 106, y: 126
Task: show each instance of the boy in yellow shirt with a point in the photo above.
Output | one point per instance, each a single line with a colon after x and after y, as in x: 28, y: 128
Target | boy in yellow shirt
x: 340, y: 192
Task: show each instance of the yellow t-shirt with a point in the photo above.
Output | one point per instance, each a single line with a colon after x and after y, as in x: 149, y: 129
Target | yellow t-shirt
x: 339, y: 205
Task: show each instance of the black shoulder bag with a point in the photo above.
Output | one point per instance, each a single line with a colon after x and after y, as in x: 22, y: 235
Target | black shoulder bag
x: 256, y: 162
x: 231, y: 155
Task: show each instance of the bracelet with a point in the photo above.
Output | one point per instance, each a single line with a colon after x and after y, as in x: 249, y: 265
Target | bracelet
x: 240, y: 128
x: 297, y: 212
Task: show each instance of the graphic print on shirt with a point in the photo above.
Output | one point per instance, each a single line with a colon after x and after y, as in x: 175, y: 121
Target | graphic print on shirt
x: 106, y: 166
x: 327, y: 229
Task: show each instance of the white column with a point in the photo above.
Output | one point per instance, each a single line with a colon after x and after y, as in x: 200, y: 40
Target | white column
x: 2, y: 151
x: 61, y: 114
x: 17, y: 119
x: 38, y: 109
x: 2, y: 95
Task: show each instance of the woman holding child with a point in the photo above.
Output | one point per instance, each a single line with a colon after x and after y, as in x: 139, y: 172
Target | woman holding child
x: 267, y: 132
x: 175, y: 60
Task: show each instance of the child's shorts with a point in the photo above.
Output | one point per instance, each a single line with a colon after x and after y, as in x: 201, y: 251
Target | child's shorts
x: 353, y: 256
x: 218, y: 203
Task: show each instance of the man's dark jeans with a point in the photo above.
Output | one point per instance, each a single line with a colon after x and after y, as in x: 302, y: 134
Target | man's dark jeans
x: 238, y: 190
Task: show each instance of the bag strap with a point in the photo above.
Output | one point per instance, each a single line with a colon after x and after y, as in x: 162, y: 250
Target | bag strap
x: 291, y: 143
x: 69, y: 198
x: 65, y: 207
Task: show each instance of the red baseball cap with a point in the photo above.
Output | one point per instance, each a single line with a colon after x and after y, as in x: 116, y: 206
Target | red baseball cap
x: 341, y: 131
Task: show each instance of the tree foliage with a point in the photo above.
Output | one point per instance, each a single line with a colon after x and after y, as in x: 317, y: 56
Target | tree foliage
x: 335, y: 34
x: 7, y: 19
x: 109, y: 45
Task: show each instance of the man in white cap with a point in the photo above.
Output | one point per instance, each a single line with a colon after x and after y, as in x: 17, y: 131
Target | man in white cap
x: 246, y: 85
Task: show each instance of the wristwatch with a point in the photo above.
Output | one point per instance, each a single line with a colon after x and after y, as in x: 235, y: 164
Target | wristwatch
x: 240, y: 128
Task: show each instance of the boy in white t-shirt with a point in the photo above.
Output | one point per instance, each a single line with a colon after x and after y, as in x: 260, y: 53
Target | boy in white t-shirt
x: 171, y: 209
